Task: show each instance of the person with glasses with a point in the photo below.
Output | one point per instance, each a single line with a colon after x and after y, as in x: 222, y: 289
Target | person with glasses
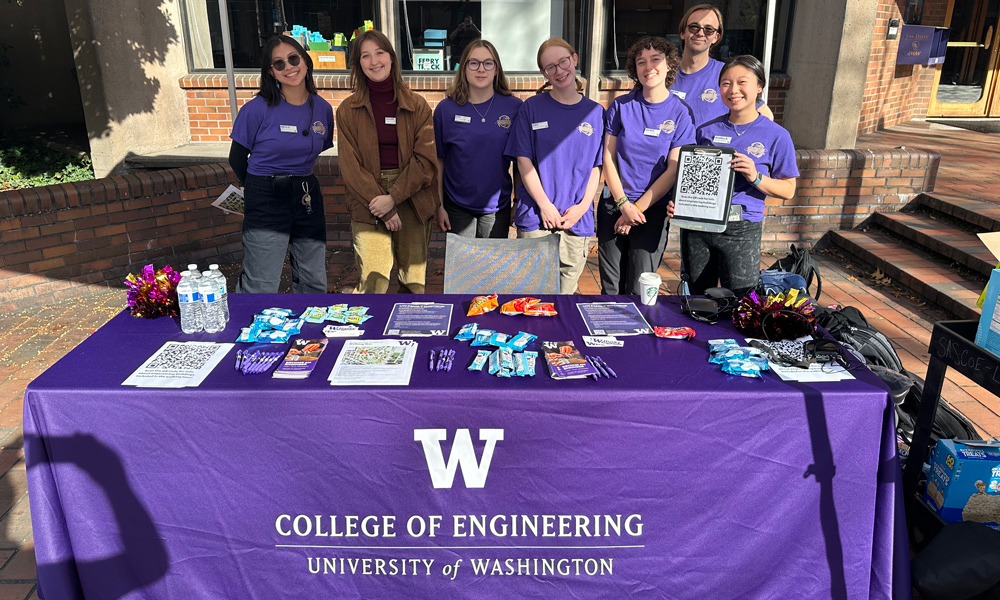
x: 698, y: 76
x: 276, y: 138
x: 471, y: 127
x: 557, y: 143
x: 765, y: 166
x: 643, y: 134
x: 387, y: 159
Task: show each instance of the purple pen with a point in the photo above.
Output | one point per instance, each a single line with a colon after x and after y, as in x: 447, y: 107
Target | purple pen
x: 600, y: 370
x: 430, y: 367
x: 239, y: 357
x: 593, y: 364
x: 607, y: 367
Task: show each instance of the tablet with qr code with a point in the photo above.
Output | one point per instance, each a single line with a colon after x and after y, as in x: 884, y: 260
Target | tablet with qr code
x: 703, y: 193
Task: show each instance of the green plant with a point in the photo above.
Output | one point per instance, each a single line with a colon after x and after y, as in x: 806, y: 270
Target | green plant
x: 28, y: 165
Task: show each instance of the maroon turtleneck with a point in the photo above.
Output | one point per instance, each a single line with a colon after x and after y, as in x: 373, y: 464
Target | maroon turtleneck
x: 384, y: 105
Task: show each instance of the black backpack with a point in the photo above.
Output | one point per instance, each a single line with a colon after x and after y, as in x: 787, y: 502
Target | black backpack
x: 850, y: 327
x: 948, y: 423
x: 800, y: 263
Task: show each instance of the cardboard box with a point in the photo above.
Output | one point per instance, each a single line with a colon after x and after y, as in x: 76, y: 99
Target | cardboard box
x: 988, y: 333
x: 334, y: 59
x: 964, y: 482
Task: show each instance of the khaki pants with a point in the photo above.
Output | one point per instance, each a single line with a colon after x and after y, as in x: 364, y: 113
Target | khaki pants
x: 375, y: 247
x: 572, y: 256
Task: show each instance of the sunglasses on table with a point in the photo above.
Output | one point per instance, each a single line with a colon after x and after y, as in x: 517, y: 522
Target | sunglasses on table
x: 293, y: 60
x: 694, y: 29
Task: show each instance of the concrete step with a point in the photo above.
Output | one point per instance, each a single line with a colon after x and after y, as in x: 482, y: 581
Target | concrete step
x: 978, y: 213
x: 939, y: 236
x: 913, y: 269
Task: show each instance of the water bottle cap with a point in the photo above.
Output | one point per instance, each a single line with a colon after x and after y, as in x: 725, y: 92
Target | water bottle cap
x: 192, y: 267
x: 213, y: 267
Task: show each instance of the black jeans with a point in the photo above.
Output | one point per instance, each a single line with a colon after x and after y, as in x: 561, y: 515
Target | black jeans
x: 623, y: 258
x: 274, y: 222
x: 732, y: 257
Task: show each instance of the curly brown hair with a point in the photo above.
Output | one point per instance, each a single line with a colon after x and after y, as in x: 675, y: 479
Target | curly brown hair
x: 657, y: 44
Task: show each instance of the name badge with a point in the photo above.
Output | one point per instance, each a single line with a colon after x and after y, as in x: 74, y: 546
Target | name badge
x: 289, y: 129
x: 722, y: 139
x: 651, y: 132
x: 539, y: 125
x: 680, y: 94
x: 462, y: 119
x: 390, y: 120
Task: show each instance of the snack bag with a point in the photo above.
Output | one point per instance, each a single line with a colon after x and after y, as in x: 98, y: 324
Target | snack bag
x: 482, y: 305
x: 517, y: 306
x: 541, y: 309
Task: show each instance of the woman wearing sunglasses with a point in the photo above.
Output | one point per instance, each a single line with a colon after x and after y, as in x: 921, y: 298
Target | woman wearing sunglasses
x: 387, y: 159
x: 698, y: 76
x: 557, y: 142
x: 276, y: 139
x: 643, y: 133
x: 765, y: 166
x: 471, y: 127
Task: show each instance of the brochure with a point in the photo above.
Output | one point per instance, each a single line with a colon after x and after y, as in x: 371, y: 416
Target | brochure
x: 301, y: 359
x: 374, y: 362
x: 613, y: 318
x: 566, y: 362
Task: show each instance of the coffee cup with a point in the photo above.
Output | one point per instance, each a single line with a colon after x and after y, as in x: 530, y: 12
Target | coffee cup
x: 649, y: 287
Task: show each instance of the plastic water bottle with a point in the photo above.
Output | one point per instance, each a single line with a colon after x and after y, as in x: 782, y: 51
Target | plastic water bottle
x: 223, y: 293
x: 194, y: 270
x: 190, y: 304
x: 209, y: 289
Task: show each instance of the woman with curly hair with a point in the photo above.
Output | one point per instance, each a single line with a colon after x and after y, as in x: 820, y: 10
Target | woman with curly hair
x: 643, y: 133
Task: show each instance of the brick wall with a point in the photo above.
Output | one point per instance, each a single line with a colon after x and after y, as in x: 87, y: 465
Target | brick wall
x: 896, y: 94
x: 75, y: 239
x: 208, y: 98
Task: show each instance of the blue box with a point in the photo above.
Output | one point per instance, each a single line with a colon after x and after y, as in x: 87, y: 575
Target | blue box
x: 964, y: 482
x: 988, y: 333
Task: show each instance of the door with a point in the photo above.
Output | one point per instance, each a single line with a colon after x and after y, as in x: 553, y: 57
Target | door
x: 966, y: 83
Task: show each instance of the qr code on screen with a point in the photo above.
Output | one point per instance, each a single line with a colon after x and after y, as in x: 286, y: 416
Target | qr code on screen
x: 177, y: 357
x: 702, y: 174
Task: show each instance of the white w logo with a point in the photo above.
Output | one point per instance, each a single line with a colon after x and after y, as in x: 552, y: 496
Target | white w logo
x: 462, y: 454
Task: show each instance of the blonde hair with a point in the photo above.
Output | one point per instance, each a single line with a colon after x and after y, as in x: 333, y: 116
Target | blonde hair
x: 459, y: 88
x: 358, y: 80
x: 555, y: 43
x: 696, y: 8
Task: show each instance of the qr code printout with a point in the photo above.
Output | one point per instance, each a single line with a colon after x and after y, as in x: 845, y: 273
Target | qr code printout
x: 183, y: 357
x: 702, y: 174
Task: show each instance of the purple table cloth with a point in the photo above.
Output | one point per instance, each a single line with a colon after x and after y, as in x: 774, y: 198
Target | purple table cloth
x: 672, y: 481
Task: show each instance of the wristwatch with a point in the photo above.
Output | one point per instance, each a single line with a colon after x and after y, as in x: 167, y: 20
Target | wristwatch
x: 757, y: 181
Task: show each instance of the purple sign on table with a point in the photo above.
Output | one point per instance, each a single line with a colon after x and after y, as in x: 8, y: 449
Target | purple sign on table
x: 672, y: 481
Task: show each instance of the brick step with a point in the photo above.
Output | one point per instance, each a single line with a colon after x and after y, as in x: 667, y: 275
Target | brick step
x: 978, y: 213
x: 917, y: 271
x: 939, y: 236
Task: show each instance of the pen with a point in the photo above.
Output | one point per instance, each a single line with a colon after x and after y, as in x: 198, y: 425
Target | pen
x: 593, y: 364
x: 430, y: 367
x: 600, y: 368
x: 239, y: 358
x: 608, y: 367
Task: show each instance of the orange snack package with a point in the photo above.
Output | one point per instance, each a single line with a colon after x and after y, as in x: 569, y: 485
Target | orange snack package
x: 482, y: 304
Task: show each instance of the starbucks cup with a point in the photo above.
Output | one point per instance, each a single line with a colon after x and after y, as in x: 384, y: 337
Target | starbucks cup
x: 649, y: 287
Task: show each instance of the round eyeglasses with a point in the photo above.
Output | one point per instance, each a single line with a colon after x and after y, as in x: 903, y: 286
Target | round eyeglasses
x: 564, y: 63
x: 489, y: 64
x: 293, y: 60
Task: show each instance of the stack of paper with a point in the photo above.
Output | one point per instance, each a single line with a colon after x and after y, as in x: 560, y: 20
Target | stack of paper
x: 179, y: 364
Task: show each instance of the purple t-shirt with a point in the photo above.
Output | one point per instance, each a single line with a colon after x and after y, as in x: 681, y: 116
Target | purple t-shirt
x: 763, y: 140
x: 274, y: 135
x: 564, y: 142
x: 700, y: 91
x: 476, y: 172
x: 646, y: 134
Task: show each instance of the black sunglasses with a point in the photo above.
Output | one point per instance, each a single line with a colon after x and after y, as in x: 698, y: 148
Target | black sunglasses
x: 708, y: 29
x: 293, y: 59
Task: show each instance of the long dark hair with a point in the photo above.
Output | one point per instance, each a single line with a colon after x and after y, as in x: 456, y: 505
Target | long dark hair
x: 749, y: 63
x: 359, y: 81
x: 269, y: 89
x: 459, y: 88
x: 657, y: 44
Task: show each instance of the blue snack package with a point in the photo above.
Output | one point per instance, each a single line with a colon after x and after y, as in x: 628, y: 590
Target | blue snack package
x: 277, y: 312
x: 247, y: 335
x: 494, y: 362
x: 506, y: 358
x: 467, y: 332
x: 482, y: 337
x: 529, y: 363
x: 521, y: 340
x: 293, y: 326
x: 479, y: 361
x: 742, y: 367
x: 274, y: 336
x: 500, y: 340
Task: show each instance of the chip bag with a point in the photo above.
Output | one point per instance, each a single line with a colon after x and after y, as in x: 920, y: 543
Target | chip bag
x: 482, y: 304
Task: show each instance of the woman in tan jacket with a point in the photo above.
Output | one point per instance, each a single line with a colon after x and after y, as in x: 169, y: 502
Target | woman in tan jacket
x: 388, y: 160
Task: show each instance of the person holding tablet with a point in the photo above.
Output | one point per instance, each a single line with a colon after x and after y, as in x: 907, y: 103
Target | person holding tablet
x: 644, y: 131
x: 276, y: 139
x: 389, y: 165
x: 765, y: 166
x: 471, y: 128
x: 557, y: 142
x: 698, y: 76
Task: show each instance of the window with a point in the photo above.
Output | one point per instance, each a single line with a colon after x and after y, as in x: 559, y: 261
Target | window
x: 743, y: 26
x: 252, y: 22
x: 434, y: 33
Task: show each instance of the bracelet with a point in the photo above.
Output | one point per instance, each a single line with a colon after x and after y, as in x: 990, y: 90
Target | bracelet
x: 621, y: 201
x: 756, y: 182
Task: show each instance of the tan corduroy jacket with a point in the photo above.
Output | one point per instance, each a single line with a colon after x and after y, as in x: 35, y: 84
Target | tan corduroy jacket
x: 357, y: 147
